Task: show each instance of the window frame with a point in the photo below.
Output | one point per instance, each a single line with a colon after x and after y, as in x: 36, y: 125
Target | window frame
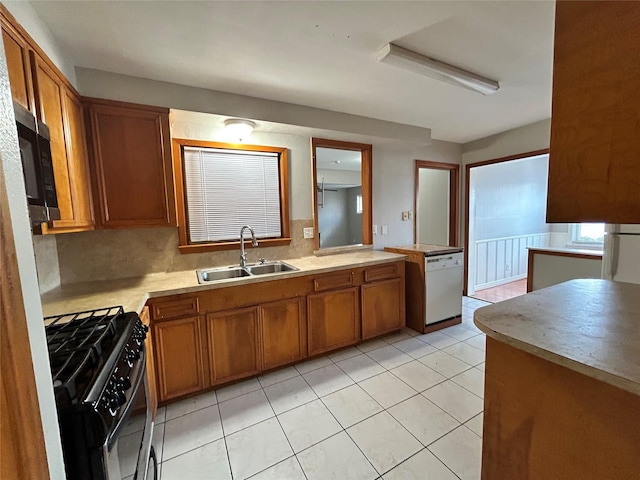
x: 184, y: 246
x: 574, y: 230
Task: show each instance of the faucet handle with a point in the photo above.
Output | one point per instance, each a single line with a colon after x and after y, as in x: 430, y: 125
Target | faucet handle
x: 262, y: 261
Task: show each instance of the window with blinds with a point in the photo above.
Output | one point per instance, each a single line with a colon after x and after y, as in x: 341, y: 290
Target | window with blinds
x: 225, y: 189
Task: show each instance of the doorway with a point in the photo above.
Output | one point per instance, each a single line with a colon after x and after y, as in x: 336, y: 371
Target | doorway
x: 436, y: 203
x: 505, y: 212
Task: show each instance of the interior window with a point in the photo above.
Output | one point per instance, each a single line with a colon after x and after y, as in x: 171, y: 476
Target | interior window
x: 587, y: 233
x: 222, y: 187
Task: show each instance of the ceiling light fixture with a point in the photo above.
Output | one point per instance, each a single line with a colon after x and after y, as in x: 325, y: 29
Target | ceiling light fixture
x: 417, y: 63
x: 238, y: 128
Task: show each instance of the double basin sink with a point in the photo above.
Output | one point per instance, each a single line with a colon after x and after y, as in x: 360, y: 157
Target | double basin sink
x: 209, y: 275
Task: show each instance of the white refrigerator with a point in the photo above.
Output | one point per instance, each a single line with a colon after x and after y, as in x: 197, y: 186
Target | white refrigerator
x: 621, y: 253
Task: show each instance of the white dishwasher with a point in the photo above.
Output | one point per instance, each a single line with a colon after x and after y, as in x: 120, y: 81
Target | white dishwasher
x: 443, y: 286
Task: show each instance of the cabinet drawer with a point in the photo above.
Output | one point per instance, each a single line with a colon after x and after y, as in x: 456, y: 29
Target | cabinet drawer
x: 180, y: 307
x: 334, y: 280
x: 381, y: 272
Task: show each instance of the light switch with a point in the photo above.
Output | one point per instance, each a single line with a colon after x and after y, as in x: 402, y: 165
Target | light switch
x: 384, y: 229
x: 375, y: 229
x: 308, y: 232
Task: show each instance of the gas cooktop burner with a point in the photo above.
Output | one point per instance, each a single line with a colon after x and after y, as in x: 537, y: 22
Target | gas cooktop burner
x: 78, y: 344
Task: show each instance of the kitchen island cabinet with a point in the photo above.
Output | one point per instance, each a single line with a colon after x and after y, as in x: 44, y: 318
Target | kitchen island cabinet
x: 562, y: 383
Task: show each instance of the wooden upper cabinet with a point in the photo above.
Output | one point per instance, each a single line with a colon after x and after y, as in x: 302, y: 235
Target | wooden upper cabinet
x: 59, y: 107
x: 16, y: 50
x: 131, y: 161
x: 594, y: 166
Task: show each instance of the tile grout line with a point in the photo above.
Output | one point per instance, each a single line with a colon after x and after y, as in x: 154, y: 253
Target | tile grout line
x: 284, y: 432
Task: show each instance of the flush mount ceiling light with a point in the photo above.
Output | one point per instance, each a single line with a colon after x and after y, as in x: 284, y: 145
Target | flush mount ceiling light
x: 412, y: 61
x: 239, y: 128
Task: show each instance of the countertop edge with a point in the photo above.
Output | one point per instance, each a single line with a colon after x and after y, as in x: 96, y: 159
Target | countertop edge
x: 582, y: 368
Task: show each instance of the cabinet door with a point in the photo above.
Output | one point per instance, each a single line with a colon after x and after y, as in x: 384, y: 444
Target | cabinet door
x: 233, y: 344
x: 282, y: 332
x: 59, y: 108
x: 332, y: 319
x: 132, y: 165
x: 17, y: 54
x: 594, y: 171
x: 382, y: 307
x: 178, y: 353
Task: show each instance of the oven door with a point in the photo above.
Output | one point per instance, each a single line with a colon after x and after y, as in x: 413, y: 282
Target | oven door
x: 131, y: 455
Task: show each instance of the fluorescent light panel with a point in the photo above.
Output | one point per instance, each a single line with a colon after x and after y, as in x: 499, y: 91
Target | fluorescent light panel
x: 414, y: 62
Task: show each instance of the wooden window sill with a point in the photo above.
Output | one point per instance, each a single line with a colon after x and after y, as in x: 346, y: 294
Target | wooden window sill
x: 213, y: 247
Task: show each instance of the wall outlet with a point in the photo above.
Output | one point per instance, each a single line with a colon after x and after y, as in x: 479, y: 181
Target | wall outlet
x: 405, y: 216
x: 384, y: 230
x: 308, y: 232
x: 507, y: 267
x: 375, y: 229
x: 410, y: 212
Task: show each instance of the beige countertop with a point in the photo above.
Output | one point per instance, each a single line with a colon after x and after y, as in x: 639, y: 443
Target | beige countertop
x: 589, y: 326
x: 132, y: 293
x: 426, y: 248
x: 568, y: 251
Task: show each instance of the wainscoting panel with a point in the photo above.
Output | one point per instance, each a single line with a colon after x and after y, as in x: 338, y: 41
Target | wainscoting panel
x: 504, y: 260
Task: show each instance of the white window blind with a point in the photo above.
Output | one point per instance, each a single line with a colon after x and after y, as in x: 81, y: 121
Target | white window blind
x: 226, y: 189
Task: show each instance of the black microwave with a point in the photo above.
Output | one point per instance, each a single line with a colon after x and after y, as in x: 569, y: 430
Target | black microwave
x: 37, y: 167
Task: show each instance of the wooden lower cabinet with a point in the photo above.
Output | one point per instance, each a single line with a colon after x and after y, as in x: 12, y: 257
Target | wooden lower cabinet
x: 382, y: 307
x: 283, y: 334
x: 179, y: 366
x: 333, y: 319
x: 233, y: 344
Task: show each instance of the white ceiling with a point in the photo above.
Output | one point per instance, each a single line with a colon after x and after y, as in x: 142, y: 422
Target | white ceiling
x: 323, y: 54
x: 336, y: 159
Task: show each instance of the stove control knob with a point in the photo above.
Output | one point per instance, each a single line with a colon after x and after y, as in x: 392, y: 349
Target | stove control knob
x: 123, y: 384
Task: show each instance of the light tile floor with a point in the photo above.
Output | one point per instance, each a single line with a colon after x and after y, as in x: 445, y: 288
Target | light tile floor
x: 402, y: 407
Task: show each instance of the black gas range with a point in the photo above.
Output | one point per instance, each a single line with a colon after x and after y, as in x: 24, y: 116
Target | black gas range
x: 98, y: 365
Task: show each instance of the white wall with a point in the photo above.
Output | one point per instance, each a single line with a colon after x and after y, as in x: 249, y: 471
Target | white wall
x: 528, y: 138
x: 509, y: 198
x: 394, y: 185
x: 96, y: 83
x: 393, y: 160
x: 11, y: 173
x: 553, y: 269
x: 433, y: 206
x: 31, y: 22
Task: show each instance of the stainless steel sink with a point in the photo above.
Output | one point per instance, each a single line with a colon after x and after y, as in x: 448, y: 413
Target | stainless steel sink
x: 225, y: 273
x: 270, y: 267
x: 209, y: 275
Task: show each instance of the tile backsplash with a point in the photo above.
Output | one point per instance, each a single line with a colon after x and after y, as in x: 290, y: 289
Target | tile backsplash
x: 111, y: 254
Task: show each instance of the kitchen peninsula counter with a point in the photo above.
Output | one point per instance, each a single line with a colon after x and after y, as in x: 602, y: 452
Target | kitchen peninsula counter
x: 133, y: 293
x: 562, y: 383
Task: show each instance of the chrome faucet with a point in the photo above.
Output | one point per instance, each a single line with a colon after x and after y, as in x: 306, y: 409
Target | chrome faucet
x: 254, y: 242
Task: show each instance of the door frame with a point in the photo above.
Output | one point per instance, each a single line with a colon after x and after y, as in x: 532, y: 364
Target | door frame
x: 467, y: 176
x: 454, y: 196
